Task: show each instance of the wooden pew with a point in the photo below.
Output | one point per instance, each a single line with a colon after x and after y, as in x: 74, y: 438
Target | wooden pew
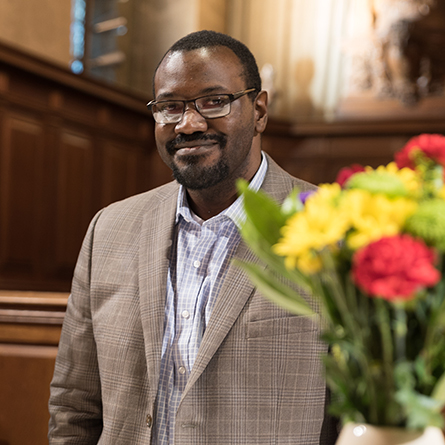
x: 30, y: 325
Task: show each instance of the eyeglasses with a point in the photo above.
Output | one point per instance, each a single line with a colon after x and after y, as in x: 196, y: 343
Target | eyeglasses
x: 209, y: 107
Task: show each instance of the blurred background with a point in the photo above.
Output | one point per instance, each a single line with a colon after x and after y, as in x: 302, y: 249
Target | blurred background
x: 349, y: 81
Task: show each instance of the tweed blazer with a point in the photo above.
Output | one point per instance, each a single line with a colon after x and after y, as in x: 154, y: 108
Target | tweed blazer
x: 257, y: 378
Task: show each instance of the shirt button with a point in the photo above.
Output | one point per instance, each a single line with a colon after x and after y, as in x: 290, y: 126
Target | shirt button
x: 181, y: 370
x: 149, y: 420
x: 197, y: 263
x: 185, y: 314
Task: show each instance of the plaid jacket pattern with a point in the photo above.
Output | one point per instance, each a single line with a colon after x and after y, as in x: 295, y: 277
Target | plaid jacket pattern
x: 257, y: 378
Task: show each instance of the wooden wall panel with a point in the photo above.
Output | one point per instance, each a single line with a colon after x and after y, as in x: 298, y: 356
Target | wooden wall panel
x: 75, y: 201
x: 69, y: 146
x: 25, y: 375
x: 317, y: 151
x: 318, y: 159
x: 120, y: 172
x: 30, y: 326
x: 21, y: 172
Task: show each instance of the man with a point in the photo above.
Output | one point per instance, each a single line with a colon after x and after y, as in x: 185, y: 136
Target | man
x: 164, y: 340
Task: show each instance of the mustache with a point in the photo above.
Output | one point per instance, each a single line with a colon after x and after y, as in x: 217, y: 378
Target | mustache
x: 172, y: 145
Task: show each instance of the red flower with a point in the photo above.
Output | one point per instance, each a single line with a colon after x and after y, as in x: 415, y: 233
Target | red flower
x: 432, y: 145
x: 345, y: 173
x: 394, y: 267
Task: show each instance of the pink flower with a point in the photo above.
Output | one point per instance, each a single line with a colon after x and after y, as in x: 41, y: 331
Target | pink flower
x: 345, y: 173
x: 432, y: 145
x: 395, y: 267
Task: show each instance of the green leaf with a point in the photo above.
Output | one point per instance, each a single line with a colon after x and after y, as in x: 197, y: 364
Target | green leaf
x: 263, y: 213
x: 275, y: 290
x: 421, y: 410
x: 263, y: 250
x: 422, y: 371
x: 262, y: 229
x: 403, y: 373
x: 439, y: 389
x: 292, y: 204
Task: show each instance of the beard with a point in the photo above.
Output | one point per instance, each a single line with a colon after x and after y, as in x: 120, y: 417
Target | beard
x: 194, y: 176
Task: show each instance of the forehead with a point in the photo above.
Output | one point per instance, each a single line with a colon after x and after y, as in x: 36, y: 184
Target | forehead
x: 204, y: 70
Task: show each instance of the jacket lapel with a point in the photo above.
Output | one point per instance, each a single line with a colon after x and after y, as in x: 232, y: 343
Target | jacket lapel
x: 237, y: 287
x: 157, y: 229
x: 233, y: 296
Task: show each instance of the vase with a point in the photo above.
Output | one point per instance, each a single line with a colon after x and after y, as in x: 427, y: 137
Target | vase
x: 364, y: 434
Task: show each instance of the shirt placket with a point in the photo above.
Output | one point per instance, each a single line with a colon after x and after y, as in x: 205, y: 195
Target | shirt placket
x: 191, y: 300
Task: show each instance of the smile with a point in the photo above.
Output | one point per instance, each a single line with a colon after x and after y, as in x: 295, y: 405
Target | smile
x: 196, y: 147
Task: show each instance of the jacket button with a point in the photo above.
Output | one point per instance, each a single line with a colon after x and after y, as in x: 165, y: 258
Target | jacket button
x: 149, y: 420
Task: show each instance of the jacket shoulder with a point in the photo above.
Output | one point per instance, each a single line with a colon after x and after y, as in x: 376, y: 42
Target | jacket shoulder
x: 278, y: 183
x: 163, y: 195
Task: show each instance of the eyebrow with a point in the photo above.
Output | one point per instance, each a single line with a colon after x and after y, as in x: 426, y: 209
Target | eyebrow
x: 204, y: 92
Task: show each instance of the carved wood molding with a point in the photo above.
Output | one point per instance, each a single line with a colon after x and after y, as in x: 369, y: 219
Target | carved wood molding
x: 32, y: 308
x: 31, y: 318
x: 23, y: 61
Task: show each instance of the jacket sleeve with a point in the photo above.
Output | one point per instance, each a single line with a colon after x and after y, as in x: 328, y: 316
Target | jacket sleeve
x: 75, y: 401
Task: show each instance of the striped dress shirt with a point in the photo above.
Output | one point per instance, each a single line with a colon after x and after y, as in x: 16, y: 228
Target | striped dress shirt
x: 200, y: 257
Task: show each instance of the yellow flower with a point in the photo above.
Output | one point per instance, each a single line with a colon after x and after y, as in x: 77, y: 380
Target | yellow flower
x: 308, y: 262
x: 374, y: 216
x: 326, y: 194
x: 320, y: 224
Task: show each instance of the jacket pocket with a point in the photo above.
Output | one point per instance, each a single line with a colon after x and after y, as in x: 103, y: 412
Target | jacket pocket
x: 282, y: 326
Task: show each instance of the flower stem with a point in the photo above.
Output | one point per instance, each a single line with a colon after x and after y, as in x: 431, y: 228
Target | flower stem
x: 387, y: 349
x: 400, y: 331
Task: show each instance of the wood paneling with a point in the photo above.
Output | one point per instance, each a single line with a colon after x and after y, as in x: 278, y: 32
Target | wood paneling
x: 121, y: 165
x: 75, y: 201
x: 316, y: 151
x: 30, y: 326
x: 25, y: 374
x: 21, y: 172
x: 69, y: 146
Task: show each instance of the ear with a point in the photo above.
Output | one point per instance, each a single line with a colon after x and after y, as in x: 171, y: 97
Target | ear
x: 260, y: 105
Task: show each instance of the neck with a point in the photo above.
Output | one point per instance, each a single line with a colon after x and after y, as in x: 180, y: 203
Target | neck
x: 210, y: 202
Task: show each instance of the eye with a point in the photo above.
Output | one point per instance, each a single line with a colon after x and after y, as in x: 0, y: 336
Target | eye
x: 170, y: 107
x: 208, y: 103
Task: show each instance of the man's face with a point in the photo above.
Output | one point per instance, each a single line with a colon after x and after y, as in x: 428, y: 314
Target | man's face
x: 203, y: 152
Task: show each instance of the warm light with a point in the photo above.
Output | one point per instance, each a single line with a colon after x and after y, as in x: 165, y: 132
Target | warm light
x: 358, y: 431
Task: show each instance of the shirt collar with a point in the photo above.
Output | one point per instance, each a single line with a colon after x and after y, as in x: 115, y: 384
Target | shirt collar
x: 235, y: 212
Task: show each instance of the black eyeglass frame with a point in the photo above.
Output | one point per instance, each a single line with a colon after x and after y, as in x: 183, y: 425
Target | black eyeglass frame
x: 232, y: 97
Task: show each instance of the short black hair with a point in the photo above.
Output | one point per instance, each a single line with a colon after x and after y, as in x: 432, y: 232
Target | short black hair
x: 209, y: 39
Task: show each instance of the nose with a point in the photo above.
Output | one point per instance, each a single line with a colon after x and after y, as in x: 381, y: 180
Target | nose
x: 191, y: 122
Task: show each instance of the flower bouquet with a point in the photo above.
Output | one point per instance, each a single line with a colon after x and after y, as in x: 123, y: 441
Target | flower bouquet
x: 370, y: 250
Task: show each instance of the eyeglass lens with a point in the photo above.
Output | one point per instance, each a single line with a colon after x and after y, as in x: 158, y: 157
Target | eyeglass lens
x: 209, y: 107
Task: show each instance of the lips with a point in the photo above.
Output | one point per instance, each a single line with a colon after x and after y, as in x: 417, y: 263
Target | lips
x: 194, y: 143
x: 197, y: 146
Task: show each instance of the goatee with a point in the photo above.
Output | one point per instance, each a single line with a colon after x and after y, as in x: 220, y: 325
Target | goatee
x: 193, y: 175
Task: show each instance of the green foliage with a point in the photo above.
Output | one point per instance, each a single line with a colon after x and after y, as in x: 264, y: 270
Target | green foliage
x: 378, y: 182
x: 386, y: 364
x: 428, y: 223
x: 279, y: 293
